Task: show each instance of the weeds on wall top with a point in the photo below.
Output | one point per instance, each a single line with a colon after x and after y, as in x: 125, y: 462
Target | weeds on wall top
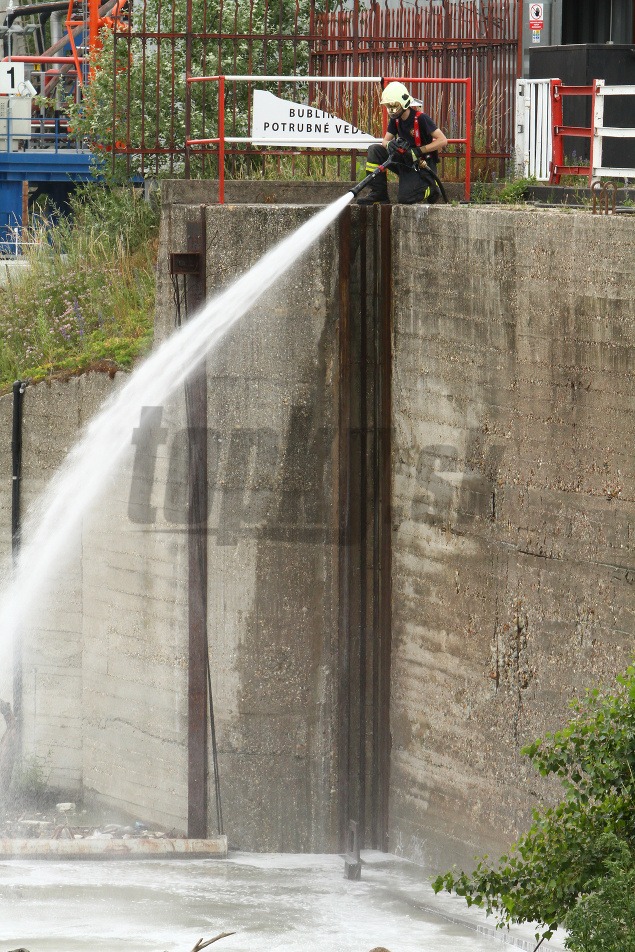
x: 87, y: 298
x: 509, y: 191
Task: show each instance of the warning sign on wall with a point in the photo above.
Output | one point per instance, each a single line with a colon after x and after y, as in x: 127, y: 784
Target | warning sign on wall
x: 536, y: 16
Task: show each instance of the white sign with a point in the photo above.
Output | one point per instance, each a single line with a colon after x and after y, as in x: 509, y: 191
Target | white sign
x: 281, y: 122
x: 11, y: 78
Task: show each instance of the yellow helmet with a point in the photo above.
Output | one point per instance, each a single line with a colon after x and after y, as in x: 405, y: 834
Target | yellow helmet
x: 396, y: 93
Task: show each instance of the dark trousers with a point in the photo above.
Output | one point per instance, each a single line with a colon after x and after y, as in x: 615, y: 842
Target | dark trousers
x: 413, y: 188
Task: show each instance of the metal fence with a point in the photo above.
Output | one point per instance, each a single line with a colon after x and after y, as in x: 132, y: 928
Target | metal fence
x: 156, y: 46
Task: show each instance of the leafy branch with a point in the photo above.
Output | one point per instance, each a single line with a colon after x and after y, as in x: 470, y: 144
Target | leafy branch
x: 575, y: 866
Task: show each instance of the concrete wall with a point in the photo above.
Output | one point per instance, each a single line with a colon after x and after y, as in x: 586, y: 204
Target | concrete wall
x: 105, y: 660
x: 512, y: 552
x: 104, y: 653
x: 134, y: 684
x: 272, y: 392
x: 513, y: 502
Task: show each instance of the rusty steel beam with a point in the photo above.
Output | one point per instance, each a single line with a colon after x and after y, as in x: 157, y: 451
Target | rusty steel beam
x: 385, y: 523
x: 364, y: 633
x: 196, y: 407
x: 344, y: 523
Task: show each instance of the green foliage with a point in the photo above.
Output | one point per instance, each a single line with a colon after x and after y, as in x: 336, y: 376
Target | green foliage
x: 510, y: 191
x: 86, y: 298
x: 29, y: 783
x: 571, y: 864
x: 603, y: 919
x: 137, y: 97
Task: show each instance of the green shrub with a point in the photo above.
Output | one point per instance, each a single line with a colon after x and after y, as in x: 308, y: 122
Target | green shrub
x: 572, y: 866
x: 603, y: 918
x: 509, y: 191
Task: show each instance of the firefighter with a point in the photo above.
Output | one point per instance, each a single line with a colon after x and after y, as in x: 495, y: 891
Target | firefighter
x: 416, y: 141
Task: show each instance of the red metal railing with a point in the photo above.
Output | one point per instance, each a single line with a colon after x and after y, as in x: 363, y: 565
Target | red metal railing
x: 219, y: 142
x: 450, y: 39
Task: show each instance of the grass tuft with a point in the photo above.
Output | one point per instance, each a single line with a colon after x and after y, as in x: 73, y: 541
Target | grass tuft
x: 87, y: 299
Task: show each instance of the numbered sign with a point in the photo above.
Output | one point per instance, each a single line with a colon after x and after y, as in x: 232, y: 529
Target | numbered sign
x: 11, y: 78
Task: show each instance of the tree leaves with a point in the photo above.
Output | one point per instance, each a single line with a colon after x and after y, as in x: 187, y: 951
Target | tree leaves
x: 576, y: 859
x: 136, y: 100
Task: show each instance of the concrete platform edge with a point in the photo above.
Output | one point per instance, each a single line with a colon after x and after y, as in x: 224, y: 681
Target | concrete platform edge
x: 140, y: 848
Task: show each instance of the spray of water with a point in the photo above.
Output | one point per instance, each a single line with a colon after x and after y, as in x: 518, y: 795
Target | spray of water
x: 90, y: 464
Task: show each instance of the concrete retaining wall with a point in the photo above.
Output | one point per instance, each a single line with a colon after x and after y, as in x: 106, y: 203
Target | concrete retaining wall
x: 272, y: 388
x: 104, y: 656
x: 513, y: 501
x: 512, y: 553
x: 105, y: 692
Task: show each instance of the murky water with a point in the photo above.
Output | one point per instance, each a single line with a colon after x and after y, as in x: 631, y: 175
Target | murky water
x: 271, y: 902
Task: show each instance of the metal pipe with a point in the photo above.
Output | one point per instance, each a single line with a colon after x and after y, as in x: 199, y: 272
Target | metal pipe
x: 296, y: 79
x: 16, y: 460
x: 16, y: 483
x: 33, y: 8
x: 43, y: 59
x: 57, y: 28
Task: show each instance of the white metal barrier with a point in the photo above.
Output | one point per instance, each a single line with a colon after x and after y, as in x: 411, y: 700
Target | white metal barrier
x: 600, y: 131
x: 533, y: 128
x: 534, y: 140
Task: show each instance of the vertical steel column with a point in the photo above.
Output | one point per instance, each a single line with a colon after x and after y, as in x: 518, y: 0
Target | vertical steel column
x: 16, y: 485
x: 355, y: 103
x: 362, y: 495
x: 385, y: 522
x: 196, y: 405
x: 16, y: 463
x: 519, y: 30
x: 380, y: 526
x: 344, y: 525
x: 189, y: 29
x: 377, y: 485
x: 364, y: 522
